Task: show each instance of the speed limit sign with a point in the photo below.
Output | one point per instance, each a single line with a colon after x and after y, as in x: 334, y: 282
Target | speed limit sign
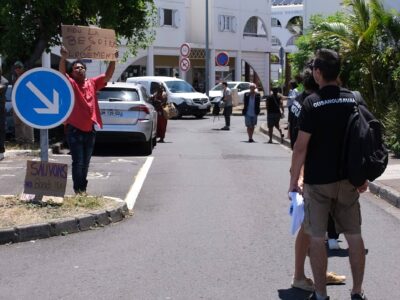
x: 184, y: 64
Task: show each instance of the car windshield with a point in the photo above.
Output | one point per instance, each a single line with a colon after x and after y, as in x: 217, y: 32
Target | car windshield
x: 118, y: 94
x: 179, y: 87
x: 220, y: 87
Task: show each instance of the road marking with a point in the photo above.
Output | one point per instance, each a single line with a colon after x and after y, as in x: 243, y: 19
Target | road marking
x: 134, y: 191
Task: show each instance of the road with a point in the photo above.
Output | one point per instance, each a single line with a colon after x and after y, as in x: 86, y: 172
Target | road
x: 211, y: 222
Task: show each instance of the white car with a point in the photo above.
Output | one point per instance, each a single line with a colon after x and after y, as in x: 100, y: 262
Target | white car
x: 179, y: 92
x: 241, y: 87
x: 127, y: 115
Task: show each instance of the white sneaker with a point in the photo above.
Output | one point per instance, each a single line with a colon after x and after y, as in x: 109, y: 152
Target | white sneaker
x: 333, y: 244
x: 1, y: 156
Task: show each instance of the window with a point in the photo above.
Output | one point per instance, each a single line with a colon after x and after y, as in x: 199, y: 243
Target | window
x: 169, y: 17
x: 275, y: 22
x: 275, y: 41
x: 255, y: 27
x: 227, y: 23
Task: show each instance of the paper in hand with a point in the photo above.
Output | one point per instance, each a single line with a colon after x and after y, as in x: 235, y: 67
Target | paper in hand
x: 296, y: 211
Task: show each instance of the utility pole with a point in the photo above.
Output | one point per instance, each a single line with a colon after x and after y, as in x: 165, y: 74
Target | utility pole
x: 207, y: 79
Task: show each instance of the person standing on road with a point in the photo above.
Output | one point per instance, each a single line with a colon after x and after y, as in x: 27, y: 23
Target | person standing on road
x: 3, y: 89
x: 227, y: 100
x: 159, y: 100
x: 85, y: 114
x: 322, y: 124
x: 302, y: 242
x: 23, y: 133
x: 251, y: 110
x: 293, y: 93
x: 275, y: 111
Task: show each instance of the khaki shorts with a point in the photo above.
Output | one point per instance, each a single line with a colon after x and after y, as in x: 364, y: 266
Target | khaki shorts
x: 340, y: 199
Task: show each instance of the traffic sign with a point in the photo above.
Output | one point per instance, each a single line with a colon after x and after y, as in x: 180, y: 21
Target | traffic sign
x: 185, y: 50
x: 42, y: 98
x: 222, y: 59
x: 184, y: 64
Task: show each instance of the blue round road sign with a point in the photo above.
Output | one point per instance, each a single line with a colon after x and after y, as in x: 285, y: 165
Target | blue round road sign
x: 222, y: 59
x: 42, y: 98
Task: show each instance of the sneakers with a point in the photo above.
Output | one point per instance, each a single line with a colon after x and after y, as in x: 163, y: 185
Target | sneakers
x: 333, y: 278
x: 314, y: 297
x: 304, y: 284
x: 359, y: 297
x: 333, y: 244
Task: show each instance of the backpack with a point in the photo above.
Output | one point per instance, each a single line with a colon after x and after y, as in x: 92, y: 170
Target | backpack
x: 364, y: 153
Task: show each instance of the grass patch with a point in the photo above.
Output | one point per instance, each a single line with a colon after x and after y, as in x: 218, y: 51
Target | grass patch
x: 14, y: 212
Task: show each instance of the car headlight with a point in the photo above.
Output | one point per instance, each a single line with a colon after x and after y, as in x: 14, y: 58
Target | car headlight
x: 188, y: 101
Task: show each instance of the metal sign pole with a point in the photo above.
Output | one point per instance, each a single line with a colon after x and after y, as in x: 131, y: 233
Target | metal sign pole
x: 44, y: 145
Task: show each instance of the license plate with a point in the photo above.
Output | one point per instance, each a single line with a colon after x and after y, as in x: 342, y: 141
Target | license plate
x: 112, y: 113
x: 202, y: 106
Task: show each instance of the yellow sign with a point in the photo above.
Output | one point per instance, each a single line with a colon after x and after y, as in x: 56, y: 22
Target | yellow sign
x: 89, y: 42
x: 44, y: 178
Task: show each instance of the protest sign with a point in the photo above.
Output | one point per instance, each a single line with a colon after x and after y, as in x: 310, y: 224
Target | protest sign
x: 44, y: 178
x: 89, y: 42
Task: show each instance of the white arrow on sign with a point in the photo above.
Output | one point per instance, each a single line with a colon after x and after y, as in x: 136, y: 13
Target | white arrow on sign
x: 51, y: 107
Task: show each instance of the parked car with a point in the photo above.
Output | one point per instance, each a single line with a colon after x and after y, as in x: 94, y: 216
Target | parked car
x: 179, y: 92
x: 128, y: 115
x: 9, y: 113
x: 241, y: 87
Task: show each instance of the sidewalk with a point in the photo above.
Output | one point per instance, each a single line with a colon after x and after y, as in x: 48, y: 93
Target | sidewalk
x: 386, y: 187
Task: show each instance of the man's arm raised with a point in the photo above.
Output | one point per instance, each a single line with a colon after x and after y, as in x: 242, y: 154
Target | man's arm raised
x: 110, y: 69
x: 61, y: 66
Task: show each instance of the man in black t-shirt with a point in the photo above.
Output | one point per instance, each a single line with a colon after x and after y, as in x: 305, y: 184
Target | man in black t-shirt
x: 318, y: 147
x: 275, y: 110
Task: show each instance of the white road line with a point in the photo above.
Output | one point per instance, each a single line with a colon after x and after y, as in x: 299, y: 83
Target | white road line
x: 134, y: 191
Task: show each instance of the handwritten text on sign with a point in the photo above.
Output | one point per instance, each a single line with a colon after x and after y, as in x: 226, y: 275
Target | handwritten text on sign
x: 44, y: 178
x: 89, y: 42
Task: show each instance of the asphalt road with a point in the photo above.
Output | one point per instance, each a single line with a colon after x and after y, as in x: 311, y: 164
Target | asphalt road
x: 211, y: 222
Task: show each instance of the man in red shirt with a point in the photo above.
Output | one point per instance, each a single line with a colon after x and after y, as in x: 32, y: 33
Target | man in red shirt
x: 85, y: 114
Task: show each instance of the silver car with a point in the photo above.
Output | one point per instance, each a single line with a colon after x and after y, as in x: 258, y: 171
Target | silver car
x: 127, y: 115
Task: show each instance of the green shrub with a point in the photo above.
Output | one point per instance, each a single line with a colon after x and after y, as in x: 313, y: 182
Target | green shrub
x: 392, y: 125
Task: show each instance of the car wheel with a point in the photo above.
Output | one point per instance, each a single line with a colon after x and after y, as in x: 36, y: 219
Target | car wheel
x: 148, y: 146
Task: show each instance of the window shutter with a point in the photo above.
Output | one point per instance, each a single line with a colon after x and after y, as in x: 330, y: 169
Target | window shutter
x: 161, y: 16
x: 234, y: 24
x: 221, y: 24
x: 177, y: 19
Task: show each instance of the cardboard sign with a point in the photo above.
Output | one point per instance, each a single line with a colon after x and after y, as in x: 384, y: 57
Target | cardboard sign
x: 44, y: 178
x: 89, y: 42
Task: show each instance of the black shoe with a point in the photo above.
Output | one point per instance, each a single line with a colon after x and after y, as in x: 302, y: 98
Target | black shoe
x: 251, y: 141
x: 225, y: 128
x: 358, y: 297
x: 314, y: 297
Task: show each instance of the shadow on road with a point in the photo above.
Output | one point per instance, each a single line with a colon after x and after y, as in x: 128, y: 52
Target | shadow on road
x: 293, y: 294
x: 118, y: 149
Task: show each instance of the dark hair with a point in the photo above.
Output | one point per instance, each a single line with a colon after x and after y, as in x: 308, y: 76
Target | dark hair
x: 275, y: 90
x: 225, y: 83
x: 308, y: 80
x: 78, y: 61
x: 293, y: 84
x: 328, y: 62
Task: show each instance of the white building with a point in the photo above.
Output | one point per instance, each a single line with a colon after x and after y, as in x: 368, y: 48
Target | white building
x: 286, y: 26
x: 235, y: 27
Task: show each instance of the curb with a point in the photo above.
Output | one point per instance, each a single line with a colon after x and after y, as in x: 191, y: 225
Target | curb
x: 264, y: 129
x: 64, y: 226
x: 384, y: 192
